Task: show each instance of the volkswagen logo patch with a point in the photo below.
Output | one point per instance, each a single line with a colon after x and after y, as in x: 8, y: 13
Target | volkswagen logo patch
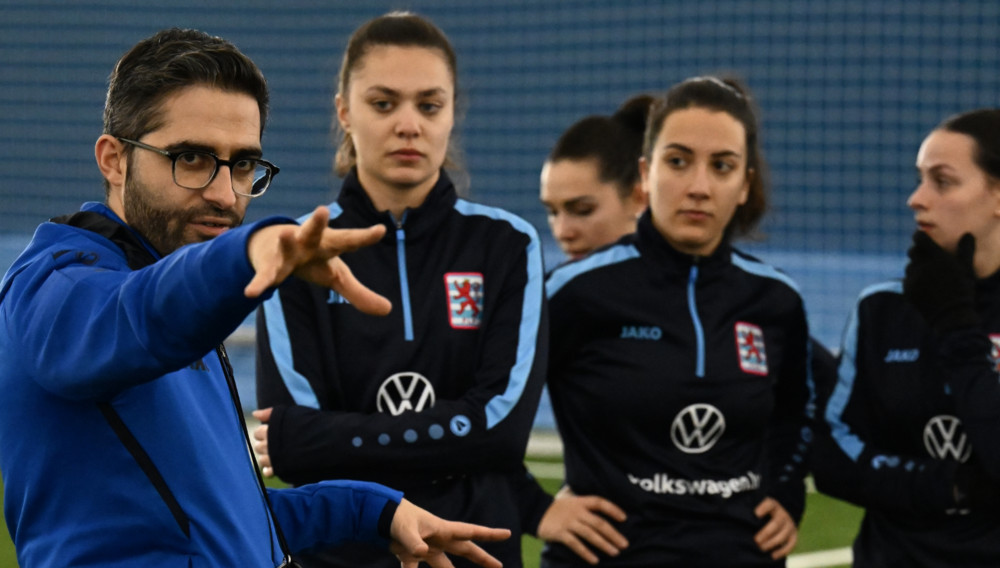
x: 405, y: 391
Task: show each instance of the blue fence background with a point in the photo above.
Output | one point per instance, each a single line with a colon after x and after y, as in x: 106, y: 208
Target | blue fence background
x: 847, y: 89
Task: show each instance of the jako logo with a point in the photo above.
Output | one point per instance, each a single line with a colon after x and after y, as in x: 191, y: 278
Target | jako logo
x: 641, y: 332
x: 697, y: 428
x: 902, y: 355
x: 944, y: 438
x: 335, y: 298
x: 405, y: 391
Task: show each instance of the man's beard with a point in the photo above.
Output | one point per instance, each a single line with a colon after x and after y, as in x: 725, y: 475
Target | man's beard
x: 164, y: 228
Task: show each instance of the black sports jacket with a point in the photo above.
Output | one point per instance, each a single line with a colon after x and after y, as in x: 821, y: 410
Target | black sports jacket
x: 436, y: 399
x: 680, y: 389
x: 911, y: 433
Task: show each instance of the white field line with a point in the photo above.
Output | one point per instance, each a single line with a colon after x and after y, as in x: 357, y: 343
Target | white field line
x: 544, y: 444
x: 821, y: 559
x: 545, y: 470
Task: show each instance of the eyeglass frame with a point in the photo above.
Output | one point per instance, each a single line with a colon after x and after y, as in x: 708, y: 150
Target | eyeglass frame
x: 271, y: 168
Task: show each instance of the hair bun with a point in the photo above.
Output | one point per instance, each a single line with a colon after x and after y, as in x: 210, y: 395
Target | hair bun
x: 634, y: 112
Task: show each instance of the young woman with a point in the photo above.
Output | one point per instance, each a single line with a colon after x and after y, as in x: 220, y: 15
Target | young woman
x: 913, y: 417
x: 678, y: 365
x: 590, y: 183
x: 591, y: 190
x: 437, y: 398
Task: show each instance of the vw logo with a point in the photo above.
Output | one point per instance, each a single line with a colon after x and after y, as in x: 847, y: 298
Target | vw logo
x: 697, y: 428
x: 405, y: 391
x: 944, y: 438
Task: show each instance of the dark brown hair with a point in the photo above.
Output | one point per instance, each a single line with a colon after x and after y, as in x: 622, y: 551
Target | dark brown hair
x: 167, y: 61
x: 614, y: 142
x: 983, y: 126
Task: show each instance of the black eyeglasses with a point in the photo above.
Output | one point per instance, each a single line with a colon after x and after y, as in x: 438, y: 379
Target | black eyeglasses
x: 195, y: 169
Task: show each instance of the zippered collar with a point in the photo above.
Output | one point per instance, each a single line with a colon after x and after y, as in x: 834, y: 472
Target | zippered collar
x: 666, y: 258
x: 418, y: 221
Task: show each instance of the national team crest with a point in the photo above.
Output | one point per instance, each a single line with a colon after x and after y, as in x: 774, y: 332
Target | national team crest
x: 465, y: 299
x: 750, y: 348
x: 995, y: 351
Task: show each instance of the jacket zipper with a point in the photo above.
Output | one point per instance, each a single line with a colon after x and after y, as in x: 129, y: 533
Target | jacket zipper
x: 699, y: 332
x: 404, y: 282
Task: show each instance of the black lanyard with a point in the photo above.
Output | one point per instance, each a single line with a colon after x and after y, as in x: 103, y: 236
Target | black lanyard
x: 138, y: 255
x: 227, y: 368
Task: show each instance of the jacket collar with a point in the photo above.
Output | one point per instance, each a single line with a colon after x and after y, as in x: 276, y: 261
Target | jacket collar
x: 656, y: 248
x: 100, y: 219
x: 415, y: 222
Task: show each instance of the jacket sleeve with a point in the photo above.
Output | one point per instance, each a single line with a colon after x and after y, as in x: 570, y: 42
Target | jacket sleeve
x: 94, y: 328
x: 330, y: 513
x: 484, y: 429
x: 789, y: 432
x: 533, y: 502
x: 847, y: 464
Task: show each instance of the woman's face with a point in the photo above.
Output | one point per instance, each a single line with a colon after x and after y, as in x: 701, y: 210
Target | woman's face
x: 696, y: 178
x: 399, y: 111
x: 955, y: 196
x: 584, y: 212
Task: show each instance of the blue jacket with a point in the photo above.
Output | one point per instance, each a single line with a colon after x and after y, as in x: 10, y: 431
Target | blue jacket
x: 120, y: 444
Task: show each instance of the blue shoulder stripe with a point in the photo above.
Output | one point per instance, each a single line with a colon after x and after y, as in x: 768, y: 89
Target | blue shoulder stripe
x: 281, y: 348
x: 765, y: 270
x: 280, y: 343
x: 846, y: 375
x: 768, y: 271
x: 889, y: 286
x: 531, y: 309
x: 335, y: 211
x: 563, y: 274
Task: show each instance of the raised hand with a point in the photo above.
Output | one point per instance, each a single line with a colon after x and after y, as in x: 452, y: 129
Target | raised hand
x: 311, y: 252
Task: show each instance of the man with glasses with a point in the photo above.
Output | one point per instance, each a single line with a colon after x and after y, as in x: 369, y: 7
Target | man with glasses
x: 250, y: 176
x: 121, y: 434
